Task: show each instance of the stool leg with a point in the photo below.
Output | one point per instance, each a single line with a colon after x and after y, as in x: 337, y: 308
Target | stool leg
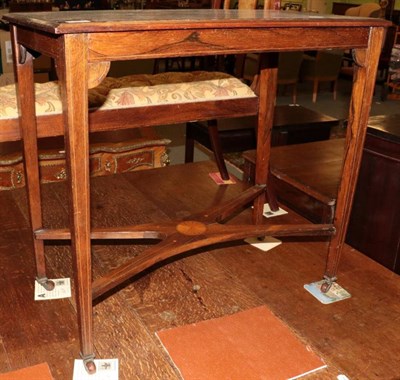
x: 268, y: 83
x: 189, y: 143
x: 271, y: 194
x: 315, y: 90
x: 217, y: 149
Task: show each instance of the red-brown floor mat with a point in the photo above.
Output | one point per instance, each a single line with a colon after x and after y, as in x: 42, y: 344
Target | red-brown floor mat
x: 36, y: 372
x: 250, y: 345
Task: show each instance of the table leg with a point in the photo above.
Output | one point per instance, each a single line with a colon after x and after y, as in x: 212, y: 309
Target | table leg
x: 72, y: 68
x: 363, y: 89
x: 23, y: 67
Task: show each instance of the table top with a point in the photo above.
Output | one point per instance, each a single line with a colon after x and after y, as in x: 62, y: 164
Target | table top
x: 134, y: 20
x: 385, y: 126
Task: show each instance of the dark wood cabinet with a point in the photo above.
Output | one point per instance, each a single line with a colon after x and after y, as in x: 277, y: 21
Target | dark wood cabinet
x: 374, y: 226
x: 292, y: 125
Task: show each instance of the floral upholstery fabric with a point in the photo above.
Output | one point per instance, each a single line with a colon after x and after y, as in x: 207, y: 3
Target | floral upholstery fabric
x: 135, y: 91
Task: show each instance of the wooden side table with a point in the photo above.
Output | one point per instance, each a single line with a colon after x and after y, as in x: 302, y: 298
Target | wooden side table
x: 82, y: 45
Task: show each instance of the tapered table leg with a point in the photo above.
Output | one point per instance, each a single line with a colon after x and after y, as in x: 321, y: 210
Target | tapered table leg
x: 23, y: 67
x: 74, y: 85
x: 363, y: 88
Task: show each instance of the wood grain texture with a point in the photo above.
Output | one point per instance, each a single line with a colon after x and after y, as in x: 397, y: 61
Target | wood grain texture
x: 73, y: 41
x: 4, y: 362
x: 25, y: 322
x: 131, y: 20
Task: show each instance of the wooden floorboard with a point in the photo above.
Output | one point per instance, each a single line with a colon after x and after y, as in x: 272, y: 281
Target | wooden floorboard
x: 4, y: 362
x: 358, y: 337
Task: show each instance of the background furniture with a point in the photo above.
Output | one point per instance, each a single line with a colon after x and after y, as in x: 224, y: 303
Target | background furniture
x: 374, y: 226
x: 291, y: 125
x: 364, y: 10
x: 323, y: 67
x: 288, y: 70
x: 30, y: 6
x: 110, y: 153
x: 392, y: 85
x: 339, y: 8
x: 42, y: 64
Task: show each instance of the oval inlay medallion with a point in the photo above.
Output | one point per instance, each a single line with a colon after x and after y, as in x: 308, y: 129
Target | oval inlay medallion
x: 191, y: 228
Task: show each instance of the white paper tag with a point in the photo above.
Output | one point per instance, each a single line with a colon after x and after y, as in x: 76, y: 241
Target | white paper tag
x: 76, y: 21
x: 62, y: 289
x: 334, y: 294
x: 268, y: 213
x: 106, y: 369
x: 265, y: 245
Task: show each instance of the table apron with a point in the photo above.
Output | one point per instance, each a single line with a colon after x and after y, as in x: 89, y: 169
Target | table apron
x: 47, y: 44
x: 198, y: 42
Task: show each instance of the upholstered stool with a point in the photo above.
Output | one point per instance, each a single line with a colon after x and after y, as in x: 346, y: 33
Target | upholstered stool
x: 111, y: 152
x: 136, y: 91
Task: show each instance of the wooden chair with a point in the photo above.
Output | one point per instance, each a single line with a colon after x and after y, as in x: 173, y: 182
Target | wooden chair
x: 323, y: 67
x: 364, y: 10
x: 288, y: 70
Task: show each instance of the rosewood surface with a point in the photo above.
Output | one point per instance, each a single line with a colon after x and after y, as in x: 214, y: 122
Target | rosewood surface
x: 83, y: 43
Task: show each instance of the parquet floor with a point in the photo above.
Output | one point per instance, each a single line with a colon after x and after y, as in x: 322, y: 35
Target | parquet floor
x: 359, y: 337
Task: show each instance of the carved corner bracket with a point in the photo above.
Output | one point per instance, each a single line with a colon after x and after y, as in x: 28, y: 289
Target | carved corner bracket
x: 359, y: 57
x: 97, y: 72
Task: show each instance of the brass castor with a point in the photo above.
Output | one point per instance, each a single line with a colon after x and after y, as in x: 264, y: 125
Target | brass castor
x: 88, y: 363
x: 326, y: 286
x: 46, y: 283
x: 90, y: 366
